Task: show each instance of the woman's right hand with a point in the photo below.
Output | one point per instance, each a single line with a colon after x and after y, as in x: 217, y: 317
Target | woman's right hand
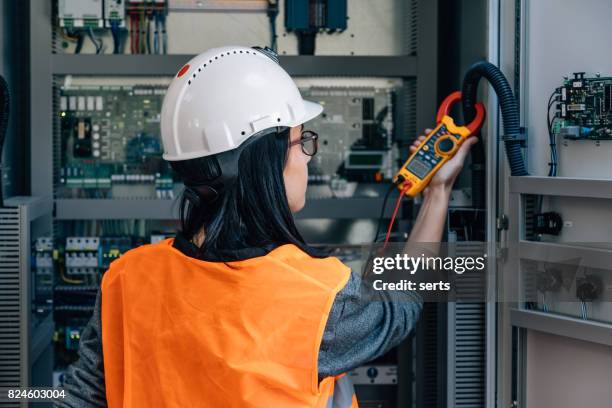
x: 447, y: 174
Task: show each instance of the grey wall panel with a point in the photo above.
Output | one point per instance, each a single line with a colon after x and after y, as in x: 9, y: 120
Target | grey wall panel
x: 565, y: 37
x: 581, y: 378
x: 559, y: 38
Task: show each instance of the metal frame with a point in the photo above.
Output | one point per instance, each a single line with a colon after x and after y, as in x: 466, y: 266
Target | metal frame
x: 524, y: 320
x: 260, y: 6
x: 165, y: 209
x: 29, y: 209
x: 492, y: 206
x: 44, y: 65
x: 41, y: 97
x: 299, y: 65
x: 562, y: 186
x: 503, y: 35
x: 594, y: 332
x: 551, y: 252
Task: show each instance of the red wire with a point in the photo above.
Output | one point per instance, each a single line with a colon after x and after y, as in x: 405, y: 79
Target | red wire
x: 406, y: 187
x: 131, y: 34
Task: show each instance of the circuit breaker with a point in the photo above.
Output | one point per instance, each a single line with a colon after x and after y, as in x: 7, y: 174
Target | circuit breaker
x: 114, y: 12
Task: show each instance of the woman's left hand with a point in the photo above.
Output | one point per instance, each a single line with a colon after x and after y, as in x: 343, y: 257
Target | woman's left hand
x: 445, y: 177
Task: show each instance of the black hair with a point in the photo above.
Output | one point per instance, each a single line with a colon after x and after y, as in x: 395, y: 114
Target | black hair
x: 250, y: 212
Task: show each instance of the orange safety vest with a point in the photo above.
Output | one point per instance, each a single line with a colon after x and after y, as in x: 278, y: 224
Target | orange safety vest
x: 182, y: 332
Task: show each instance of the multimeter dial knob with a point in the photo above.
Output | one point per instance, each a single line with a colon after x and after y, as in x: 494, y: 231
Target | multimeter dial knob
x: 446, y: 145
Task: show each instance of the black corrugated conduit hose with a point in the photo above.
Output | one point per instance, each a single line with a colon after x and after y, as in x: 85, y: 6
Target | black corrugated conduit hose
x: 513, y: 138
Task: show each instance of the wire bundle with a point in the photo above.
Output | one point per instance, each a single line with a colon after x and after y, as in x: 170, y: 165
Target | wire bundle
x: 509, y: 109
x: 116, y: 33
x: 144, y: 23
x: 98, y: 43
x: 584, y: 311
x: 272, y: 13
x: 552, y: 172
x: 159, y: 35
x: 75, y: 36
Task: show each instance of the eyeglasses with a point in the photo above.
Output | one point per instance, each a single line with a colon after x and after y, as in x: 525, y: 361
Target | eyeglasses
x: 309, y: 141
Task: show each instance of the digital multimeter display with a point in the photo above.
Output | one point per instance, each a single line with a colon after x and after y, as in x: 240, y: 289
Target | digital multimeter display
x: 419, y: 167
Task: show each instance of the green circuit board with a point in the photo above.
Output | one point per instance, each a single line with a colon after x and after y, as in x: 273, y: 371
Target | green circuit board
x: 110, y: 143
x: 585, y: 108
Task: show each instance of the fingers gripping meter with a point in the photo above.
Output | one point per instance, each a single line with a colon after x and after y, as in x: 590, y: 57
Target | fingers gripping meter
x: 439, y: 146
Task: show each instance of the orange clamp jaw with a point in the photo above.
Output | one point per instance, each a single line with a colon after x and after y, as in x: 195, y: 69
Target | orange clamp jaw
x: 439, y: 146
x: 455, y: 97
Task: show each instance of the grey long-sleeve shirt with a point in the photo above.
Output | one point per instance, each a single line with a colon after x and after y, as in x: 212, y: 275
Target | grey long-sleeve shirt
x: 363, y: 325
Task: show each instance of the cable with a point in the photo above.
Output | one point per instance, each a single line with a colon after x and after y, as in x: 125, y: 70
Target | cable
x: 164, y: 35
x: 272, y: 14
x: 552, y: 172
x: 382, y: 210
x: 116, y: 36
x: 156, y: 33
x: 148, y: 34
x: 406, y: 187
x: 142, y: 41
x: 509, y: 109
x: 135, y: 34
x: 67, y: 279
x: 69, y: 36
x: 584, y: 314
x: 131, y: 34
x: 80, y: 40
x: 98, y: 44
x: 5, y: 104
x: 553, y: 164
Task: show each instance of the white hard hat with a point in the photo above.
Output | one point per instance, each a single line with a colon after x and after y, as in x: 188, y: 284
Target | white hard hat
x: 224, y: 96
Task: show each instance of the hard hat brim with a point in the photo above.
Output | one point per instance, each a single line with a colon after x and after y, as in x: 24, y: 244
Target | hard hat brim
x: 312, y: 110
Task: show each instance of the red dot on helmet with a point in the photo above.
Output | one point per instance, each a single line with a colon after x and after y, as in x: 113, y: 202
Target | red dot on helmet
x: 182, y: 71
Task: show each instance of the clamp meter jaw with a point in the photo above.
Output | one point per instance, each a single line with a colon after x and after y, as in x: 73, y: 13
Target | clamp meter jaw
x: 439, y: 146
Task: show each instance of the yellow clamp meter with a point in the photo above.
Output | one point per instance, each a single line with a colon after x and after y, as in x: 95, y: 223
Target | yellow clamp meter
x: 439, y: 146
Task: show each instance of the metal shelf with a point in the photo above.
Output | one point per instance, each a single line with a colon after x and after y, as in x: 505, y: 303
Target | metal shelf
x: 37, y: 206
x: 119, y: 209
x: 562, y: 186
x: 586, y: 330
x: 299, y: 65
x: 92, y: 209
x: 589, y: 256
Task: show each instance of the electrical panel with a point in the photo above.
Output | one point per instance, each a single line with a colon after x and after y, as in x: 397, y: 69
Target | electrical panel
x: 74, y: 265
x: 80, y: 13
x: 355, y: 136
x: 162, y: 26
x: 110, y: 143
x: 584, y: 108
x: 303, y: 15
x: 110, y: 146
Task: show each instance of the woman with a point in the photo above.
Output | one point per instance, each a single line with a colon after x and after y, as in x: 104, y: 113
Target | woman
x: 238, y: 311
